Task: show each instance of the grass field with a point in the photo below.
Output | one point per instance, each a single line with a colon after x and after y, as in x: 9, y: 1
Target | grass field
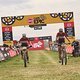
x: 43, y: 66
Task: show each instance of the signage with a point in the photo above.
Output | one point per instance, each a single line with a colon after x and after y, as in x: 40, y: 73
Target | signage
x: 7, y: 33
x: 37, y: 44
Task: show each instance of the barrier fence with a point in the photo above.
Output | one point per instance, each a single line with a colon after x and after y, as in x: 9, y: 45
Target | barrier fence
x: 6, y: 53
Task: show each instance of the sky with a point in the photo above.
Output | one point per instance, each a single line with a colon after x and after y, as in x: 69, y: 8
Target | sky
x: 31, y: 7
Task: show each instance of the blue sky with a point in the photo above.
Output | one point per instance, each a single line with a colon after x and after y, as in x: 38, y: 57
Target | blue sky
x: 30, y: 7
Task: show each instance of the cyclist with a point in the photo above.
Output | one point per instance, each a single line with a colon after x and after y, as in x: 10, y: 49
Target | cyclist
x: 60, y: 39
x: 75, y: 44
x: 25, y: 42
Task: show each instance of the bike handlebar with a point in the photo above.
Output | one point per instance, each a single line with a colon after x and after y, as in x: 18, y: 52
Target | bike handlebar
x: 29, y: 46
x: 62, y: 43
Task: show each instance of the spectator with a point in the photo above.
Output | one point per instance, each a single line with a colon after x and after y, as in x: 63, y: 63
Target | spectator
x: 75, y: 45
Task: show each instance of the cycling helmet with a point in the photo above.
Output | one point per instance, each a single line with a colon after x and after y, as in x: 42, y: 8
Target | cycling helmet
x: 60, y: 30
x: 23, y: 35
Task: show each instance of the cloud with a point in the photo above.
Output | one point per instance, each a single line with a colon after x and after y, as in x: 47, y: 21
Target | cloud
x: 30, y: 7
x: 25, y: 7
x: 12, y: 2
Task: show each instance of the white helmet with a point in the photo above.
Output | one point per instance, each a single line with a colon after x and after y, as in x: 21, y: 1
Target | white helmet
x: 60, y: 30
x: 23, y: 35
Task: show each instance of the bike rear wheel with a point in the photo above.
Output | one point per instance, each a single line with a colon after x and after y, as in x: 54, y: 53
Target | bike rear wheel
x: 64, y: 58
x: 25, y: 59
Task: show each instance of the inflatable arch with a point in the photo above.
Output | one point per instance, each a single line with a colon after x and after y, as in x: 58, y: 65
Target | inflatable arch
x: 37, y: 20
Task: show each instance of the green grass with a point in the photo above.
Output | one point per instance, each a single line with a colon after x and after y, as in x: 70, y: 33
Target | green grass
x: 43, y: 66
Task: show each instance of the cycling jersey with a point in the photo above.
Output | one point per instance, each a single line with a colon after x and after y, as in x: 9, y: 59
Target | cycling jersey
x: 61, y: 37
x: 24, y: 41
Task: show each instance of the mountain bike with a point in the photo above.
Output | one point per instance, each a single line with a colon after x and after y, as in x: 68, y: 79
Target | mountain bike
x: 64, y: 54
x: 25, y: 56
x: 24, y: 52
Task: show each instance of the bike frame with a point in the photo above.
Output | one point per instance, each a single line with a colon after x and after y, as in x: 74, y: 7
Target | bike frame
x: 63, y: 54
x: 24, y: 51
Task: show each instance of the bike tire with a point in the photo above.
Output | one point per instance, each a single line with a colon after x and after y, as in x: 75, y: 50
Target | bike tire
x: 63, y: 58
x: 25, y: 60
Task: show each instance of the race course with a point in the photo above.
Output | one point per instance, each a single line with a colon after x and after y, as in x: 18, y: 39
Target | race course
x: 43, y: 66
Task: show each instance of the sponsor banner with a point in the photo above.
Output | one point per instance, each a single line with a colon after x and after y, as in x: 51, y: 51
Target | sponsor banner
x: 7, y: 33
x: 7, y: 29
x: 69, y: 24
x: 69, y: 49
x: 12, y: 53
x: 69, y: 30
x: 37, y: 27
x: 41, y: 38
x: 37, y: 19
x: 37, y: 44
x: 7, y: 36
x: 10, y: 43
x: 46, y: 38
x: 5, y: 54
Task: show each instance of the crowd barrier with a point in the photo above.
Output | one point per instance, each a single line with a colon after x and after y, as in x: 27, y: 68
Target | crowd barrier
x: 69, y: 49
x: 1, y: 56
x: 8, y: 53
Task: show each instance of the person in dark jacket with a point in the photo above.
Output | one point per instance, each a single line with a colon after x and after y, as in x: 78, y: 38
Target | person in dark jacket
x: 75, y: 45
